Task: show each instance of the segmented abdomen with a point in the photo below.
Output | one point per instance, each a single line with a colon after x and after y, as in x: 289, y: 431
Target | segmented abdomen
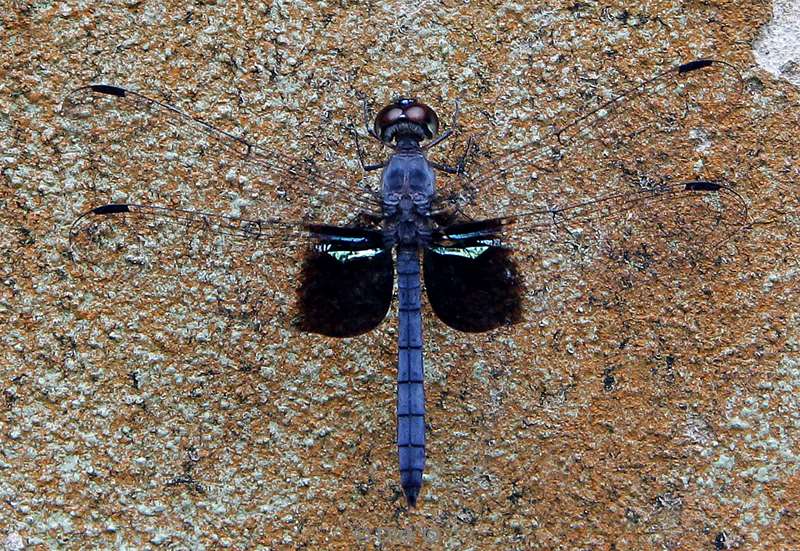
x: 410, y: 376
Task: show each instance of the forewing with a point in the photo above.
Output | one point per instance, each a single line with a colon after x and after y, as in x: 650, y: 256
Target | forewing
x: 669, y: 127
x: 128, y: 145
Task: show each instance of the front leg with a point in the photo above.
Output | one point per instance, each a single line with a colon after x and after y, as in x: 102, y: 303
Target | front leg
x: 366, y: 167
x: 442, y: 137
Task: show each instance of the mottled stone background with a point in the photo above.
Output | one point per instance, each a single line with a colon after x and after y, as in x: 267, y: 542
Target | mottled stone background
x: 165, y: 414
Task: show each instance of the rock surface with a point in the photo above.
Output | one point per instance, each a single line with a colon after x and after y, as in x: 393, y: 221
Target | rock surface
x: 141, y: 411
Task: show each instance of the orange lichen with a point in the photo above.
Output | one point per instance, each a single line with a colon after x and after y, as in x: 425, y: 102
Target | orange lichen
x: 135, y: 406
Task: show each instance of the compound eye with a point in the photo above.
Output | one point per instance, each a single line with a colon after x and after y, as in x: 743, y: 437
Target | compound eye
x: 386, y: 117
x: 425, y: 117
x: 405, y: 109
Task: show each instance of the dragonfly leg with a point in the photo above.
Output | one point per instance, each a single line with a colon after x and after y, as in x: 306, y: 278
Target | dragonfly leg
x: 462, y: 161
x: 367, y: 167
x: 447, y: 169
x: 367, y: 127
x: 439, y: 139
x: 367, y: 218
x: 444, y: 135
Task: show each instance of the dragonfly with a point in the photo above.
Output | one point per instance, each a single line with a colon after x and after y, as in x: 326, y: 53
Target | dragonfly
x: 486, y: 235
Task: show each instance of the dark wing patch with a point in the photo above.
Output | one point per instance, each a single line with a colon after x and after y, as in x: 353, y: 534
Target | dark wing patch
x: 473, y: 284
x: 345, y: 283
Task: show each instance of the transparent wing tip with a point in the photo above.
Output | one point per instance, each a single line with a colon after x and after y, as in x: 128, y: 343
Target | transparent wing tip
x: 695, y: 65
x: 87, y: 220
x: 77, y: 102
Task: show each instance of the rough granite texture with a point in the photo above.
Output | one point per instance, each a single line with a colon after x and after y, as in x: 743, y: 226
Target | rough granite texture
x: 183, y: 413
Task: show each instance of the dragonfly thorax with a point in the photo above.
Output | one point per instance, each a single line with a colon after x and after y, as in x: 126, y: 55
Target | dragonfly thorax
x: 407, y: 193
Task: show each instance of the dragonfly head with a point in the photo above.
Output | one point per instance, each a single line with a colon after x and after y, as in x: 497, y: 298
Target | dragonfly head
x: 406, y: 117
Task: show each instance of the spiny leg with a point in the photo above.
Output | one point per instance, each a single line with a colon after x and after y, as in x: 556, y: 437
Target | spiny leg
x: 449, y: 132
x: 367, y: 167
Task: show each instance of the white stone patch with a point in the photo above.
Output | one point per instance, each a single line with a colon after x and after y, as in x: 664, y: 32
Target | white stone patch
x: 701, y: 137
x: 14, y: 542
x: 760, y: 449
x: 778, y: 48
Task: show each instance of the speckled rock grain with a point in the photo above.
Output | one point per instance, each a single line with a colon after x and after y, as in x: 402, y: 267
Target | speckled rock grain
x: 183, y: 415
